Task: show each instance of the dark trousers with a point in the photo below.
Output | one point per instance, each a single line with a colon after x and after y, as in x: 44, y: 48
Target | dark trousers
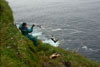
x: 34, y: 39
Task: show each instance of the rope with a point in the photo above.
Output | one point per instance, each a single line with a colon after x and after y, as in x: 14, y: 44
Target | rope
x: 43, y: 28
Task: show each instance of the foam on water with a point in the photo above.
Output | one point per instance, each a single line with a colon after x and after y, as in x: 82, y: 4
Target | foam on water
x: 51, y: 42
x: 37, y: 34
x: 85, y: 47
x: 58, y: 29
x: 76, y: 31
x: 89, y: 49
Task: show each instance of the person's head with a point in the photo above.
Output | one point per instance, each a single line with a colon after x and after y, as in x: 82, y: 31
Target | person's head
x: 24, y: 24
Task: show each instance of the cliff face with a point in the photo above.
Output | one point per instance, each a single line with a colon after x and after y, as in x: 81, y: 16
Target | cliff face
x: 18, y: 51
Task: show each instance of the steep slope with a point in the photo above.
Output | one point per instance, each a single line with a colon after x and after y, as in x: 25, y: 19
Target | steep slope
x: 18, y: 51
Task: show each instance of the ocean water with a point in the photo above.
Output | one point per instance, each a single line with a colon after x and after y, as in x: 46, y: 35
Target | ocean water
x: 76, y: 23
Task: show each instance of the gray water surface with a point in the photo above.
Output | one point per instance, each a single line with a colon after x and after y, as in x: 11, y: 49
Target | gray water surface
x: 77, y: 22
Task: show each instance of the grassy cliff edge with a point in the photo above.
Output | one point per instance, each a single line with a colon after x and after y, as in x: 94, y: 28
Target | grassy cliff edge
x: 18, y: 51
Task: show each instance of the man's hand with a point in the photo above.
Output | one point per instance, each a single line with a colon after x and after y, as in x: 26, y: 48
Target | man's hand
x: 33, y: 25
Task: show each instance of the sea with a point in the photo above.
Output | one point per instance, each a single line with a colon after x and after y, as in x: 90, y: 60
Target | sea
x: 75, y: 23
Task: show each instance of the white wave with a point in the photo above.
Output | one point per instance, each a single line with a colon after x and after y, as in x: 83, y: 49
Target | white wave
x: 76, y: 31
x: 85, y: 47
x: 57, y: 29
x: 45, y: 39
x: 90, y: 49
x: 37, y: 34
x: 93, y: 49
x: 52, y: 43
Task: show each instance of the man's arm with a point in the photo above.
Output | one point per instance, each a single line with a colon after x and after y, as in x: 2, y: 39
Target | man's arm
x: 31, y: 29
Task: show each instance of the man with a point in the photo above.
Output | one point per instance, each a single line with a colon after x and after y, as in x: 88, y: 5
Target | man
x: 25, y: 31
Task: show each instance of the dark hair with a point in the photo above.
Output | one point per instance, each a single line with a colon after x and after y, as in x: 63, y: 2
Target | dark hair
x: 23, y: 24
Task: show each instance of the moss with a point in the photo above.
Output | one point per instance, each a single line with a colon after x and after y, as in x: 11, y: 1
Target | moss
x: 18, y: 51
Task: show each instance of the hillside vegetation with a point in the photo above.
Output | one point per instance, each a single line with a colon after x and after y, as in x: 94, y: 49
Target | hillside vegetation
x: 18, y: 51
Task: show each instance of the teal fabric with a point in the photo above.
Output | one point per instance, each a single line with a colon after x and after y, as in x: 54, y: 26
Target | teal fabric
x: 25, y: 31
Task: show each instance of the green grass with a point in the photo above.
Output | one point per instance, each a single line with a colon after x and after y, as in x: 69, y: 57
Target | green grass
x: 18, y: 51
